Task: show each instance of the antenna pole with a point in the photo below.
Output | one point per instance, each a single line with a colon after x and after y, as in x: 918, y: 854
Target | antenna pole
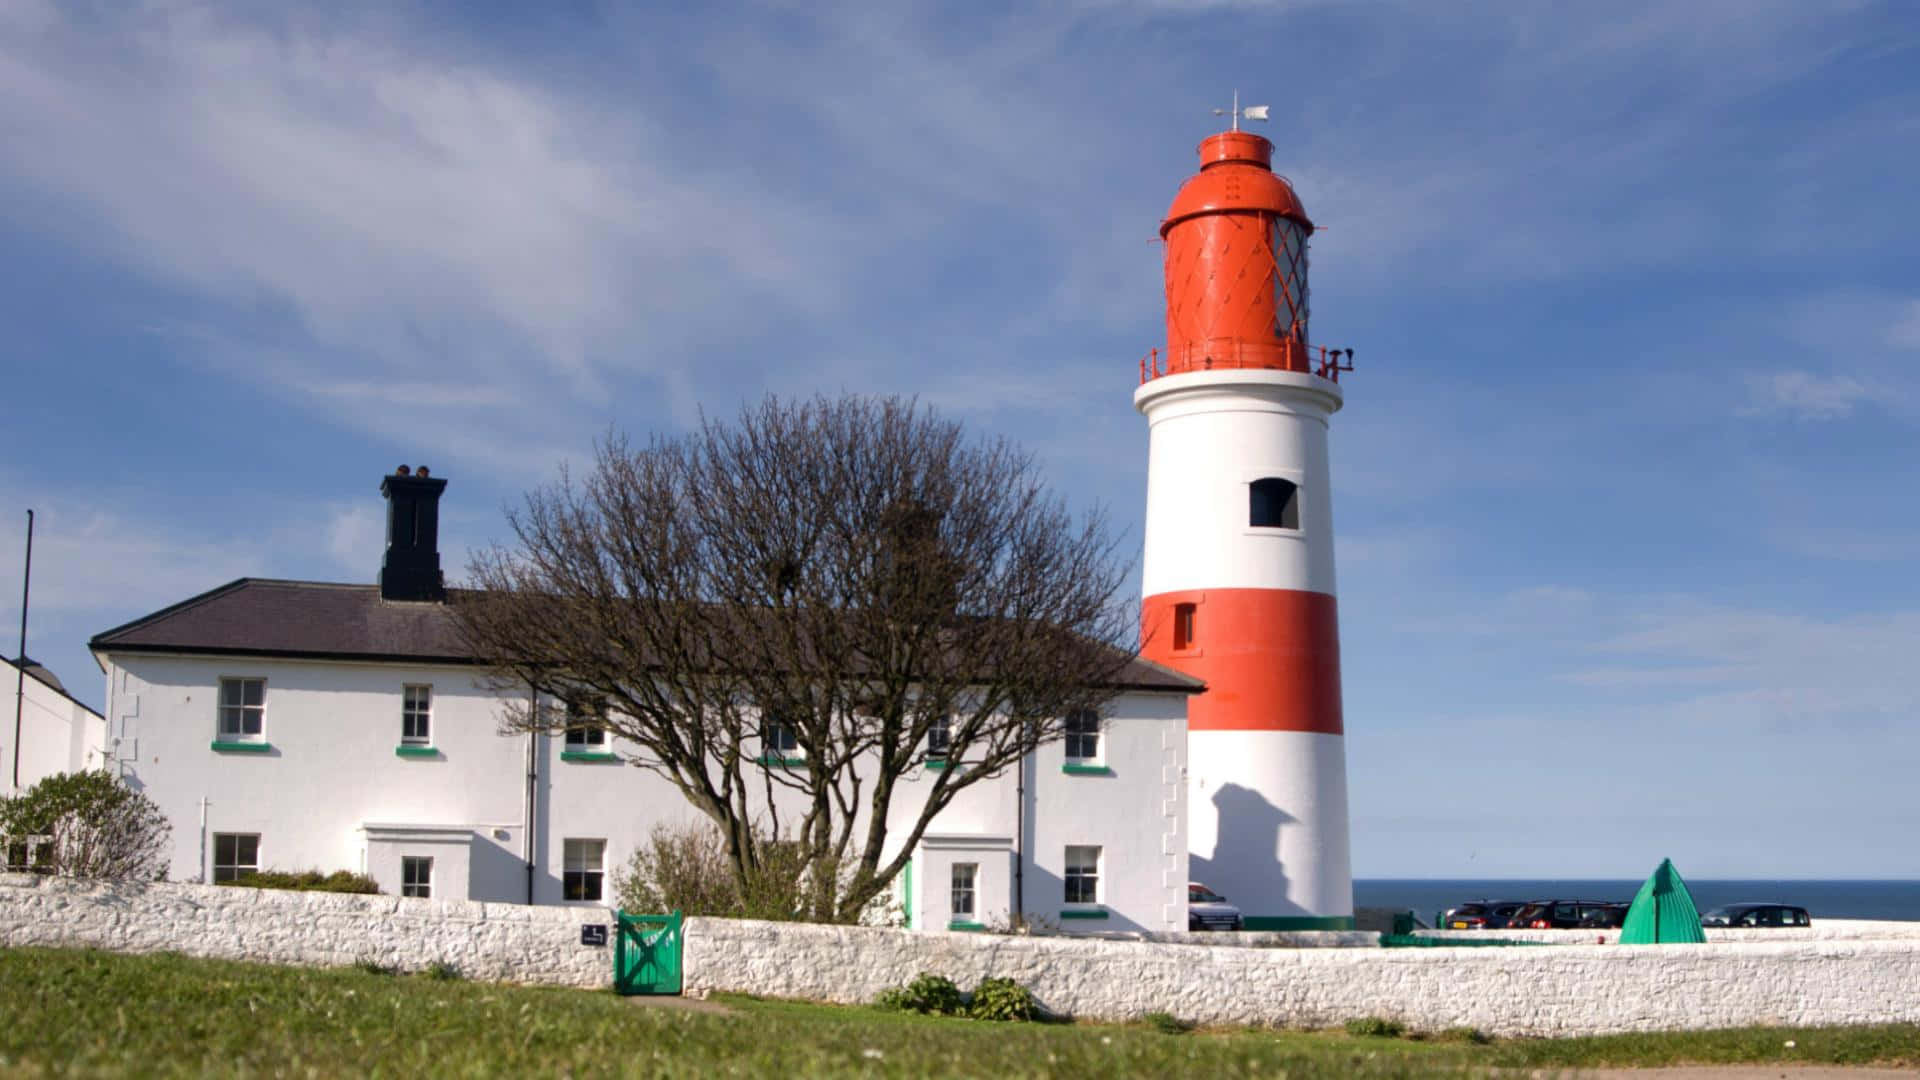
x: 1236, y: 110
x: 20, y: 674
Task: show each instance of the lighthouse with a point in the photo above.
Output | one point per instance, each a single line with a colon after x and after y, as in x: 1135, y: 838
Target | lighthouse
x: 1237, y: 576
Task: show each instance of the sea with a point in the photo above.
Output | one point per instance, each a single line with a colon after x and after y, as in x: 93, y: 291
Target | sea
x: 1822, y: 899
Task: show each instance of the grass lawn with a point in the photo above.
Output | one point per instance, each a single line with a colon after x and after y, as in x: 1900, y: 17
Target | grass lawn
x: 71, y: 1009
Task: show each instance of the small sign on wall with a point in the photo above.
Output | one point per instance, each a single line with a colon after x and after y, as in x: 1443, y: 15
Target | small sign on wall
x: 593, y: 934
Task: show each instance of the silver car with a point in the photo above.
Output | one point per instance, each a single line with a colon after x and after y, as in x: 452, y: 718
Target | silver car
x: 1208, y: 910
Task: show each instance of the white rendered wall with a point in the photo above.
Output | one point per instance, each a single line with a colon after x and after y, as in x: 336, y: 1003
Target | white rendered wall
x: 1257, y: 797
x: 1213, y: 433
x: 1136, y: 813
x: 332, y: 774
x: 332, y: 770
x: 930, y: 896
x: 57, y: 734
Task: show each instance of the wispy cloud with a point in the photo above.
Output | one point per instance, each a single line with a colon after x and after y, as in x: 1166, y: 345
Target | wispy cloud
x: 1804, y: 395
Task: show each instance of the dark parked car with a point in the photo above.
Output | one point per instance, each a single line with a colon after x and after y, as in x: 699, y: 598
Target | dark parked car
x: 1480, y: 915
x: 1756, y: 915
x: 1569, y: 915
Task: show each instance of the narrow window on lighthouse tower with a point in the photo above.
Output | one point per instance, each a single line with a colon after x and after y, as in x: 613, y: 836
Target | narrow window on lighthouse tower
x: 1183, y: 626
x: 1273, y: 503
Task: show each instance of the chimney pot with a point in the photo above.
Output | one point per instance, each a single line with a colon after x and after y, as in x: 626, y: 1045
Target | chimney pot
x: 402, y: 471
x: 422, y: 473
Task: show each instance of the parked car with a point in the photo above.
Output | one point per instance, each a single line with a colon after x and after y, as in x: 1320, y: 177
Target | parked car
x: 1208, y: 910
x: 1756, y: 915
x: 1606, y: 916
x: 1569, y: 915
x: 1480, y: 915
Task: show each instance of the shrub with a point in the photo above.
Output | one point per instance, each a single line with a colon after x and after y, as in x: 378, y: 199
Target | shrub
x: 1002, y: 999
x: 1461, y: 1035
x: 442, y: 971
x: 85, y: 825
x: 1167, y: 1023
x: 927, y: 993
x: 370, y: 966
x: 685, y: 868
x: 1375, y: 1027
x: 340, y: 881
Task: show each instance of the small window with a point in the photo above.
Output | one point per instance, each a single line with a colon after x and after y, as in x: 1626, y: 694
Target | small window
x: 416, y: 875
x: 777, y: 739
x: 31, y: 855
x: 235, y: 855
x: 1083, y: 735
x: 939, y: 738
x: 585, y: 868
x: 1185, y: 616
x: 416, y: 715
x: 1273, y: 503
x: 587, y: 724
x: 964, y: 876
x: 243, y: 709
x: 1083, y: 874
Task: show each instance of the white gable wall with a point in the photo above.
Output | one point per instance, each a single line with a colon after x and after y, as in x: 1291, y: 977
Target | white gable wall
x: 57, y: 733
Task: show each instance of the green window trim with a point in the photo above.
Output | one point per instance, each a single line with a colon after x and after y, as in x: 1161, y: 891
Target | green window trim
x: 776, y: 759
x: 415, y: 750
x: 1086, y: 913
x: 242, y: 747
x: 591, y: 757
x: 969, y: 927
x: 906, y: 891
x: 1072, y: 769
x: 940, y: 764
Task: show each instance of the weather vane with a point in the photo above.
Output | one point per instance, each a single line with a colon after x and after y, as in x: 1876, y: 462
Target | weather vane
x: 1251, y: 112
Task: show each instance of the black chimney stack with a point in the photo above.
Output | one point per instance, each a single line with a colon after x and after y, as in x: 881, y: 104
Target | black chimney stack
x: 412, y: 567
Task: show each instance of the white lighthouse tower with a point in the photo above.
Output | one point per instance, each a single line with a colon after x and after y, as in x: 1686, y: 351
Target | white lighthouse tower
x: 1238, y: 572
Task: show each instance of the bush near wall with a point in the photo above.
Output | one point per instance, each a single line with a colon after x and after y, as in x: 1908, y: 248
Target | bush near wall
x: 340, y: 881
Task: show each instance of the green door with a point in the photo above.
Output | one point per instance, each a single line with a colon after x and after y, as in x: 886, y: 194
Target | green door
x: 646, y: 954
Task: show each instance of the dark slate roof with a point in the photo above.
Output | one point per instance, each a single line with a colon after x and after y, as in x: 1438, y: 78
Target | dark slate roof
x: 263, y: 617
x: 320, y: 620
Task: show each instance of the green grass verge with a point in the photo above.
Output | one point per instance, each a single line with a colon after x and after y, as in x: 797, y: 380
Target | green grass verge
x: 70, y: 1010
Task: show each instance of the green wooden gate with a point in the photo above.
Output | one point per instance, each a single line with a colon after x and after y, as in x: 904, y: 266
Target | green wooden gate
x: 646, y: 954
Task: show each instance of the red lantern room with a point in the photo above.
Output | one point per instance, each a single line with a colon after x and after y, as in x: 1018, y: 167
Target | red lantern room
x: 1236, y: 266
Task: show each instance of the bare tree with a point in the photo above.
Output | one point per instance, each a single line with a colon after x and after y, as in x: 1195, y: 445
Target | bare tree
x: 841, y: 576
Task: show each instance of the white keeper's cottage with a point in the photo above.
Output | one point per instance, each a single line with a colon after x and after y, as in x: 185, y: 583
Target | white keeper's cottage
x: 293, y: 725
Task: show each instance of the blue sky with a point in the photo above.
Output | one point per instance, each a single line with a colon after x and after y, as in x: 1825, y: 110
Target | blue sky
x: 1627, y: 532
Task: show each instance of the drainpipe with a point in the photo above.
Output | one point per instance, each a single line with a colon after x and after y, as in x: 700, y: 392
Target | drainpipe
x: 1020, y: 843
x: 533, y: 774
x: 203, y: 841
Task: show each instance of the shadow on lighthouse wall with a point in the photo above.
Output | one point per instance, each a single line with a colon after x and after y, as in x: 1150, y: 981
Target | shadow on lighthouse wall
x: 1245, y: 863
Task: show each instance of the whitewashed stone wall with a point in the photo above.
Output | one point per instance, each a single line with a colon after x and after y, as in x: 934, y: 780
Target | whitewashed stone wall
x: 1523, y: 990
x: 498, y: 942
x: 1859, y: 973
x: 1821, y: 930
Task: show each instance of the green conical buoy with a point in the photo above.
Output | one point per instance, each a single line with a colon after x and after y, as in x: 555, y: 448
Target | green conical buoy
x: 1662, y: 911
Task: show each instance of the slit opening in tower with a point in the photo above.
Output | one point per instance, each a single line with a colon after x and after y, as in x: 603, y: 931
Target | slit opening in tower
x: 1273, y: 503
x: 1183, y: 626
